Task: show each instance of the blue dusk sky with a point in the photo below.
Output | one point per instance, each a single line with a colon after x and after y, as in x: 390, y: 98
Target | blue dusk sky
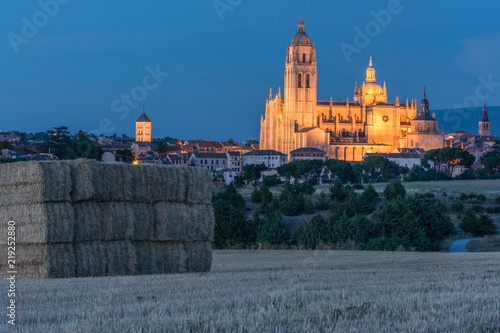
x: 203, y: 68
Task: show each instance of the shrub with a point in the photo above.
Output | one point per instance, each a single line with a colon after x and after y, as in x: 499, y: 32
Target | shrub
x: 382, y: 244
x: 444, y: 194
x: 477, y: 208
x: 490, y: 210
x: 497, y: 199
x: 463, y: 197
x: 472, y: 196
x: 429, y: 195
x: 457, y: 206
x: 481, y: 197
x: 308, y: 206
x: 394, y: 190
x: 477, y: 226
x: 271, y: 181
x: 238, y: 181
x: 323, y: 202
x: 305, y: 188
x: 255, y: 197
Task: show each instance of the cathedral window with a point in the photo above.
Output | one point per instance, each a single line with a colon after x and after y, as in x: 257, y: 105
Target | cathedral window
x: 307, y: 81
x: 304, y: 58
x: 300, y: 80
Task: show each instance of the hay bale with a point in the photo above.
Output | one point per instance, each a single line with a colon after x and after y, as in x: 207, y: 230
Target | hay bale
x: 41, y: 261
x: 117, y: 221
x: 200, y: 186
x: 145, y: 253
x: 39, y: 223
x: 88, y: 221
x: 92, y: 180
x: 199, y: 256
x: 171, y: 221
x: 200, y: 223
x: 120, y: 258
x: 90, y: 259
x: 34, y: 182
x: 172, y: 184
x: 143, y: 179
x: 144, y: 221
x: 171, y: 257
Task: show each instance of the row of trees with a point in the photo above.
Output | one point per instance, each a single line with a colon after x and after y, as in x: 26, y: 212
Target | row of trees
x: 379, y: 169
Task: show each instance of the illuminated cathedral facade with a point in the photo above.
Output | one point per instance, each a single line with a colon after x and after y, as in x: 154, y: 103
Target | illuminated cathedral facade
x: 344, y: 130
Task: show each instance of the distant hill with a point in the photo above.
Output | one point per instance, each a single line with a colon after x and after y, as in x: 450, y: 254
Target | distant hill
x: 468, y: 119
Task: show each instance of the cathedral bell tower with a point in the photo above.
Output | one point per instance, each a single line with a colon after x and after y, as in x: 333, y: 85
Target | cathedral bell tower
x: 300, y: 85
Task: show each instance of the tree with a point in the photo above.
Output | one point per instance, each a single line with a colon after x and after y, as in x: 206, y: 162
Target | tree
x: 338, y: 192
x: 478, y: 227
x: 379, y: 169
x: 252, y: 172
x: 417, y: 222
x: 369, y: 194
x: 5, y: 145
x: 252, y: 142
x: 313, y: 233
x: 341, y: 169
x: 291, y: 200
x: 231, y: 142
x: 65, y: 146
x: 127, y: 155
x: 271, y: 180
x: 288, y: 171
x: 450, y: 158
x: 394, y: 190
x: 265, y: 194
x: 238, y: 181
x: 255, y: 196
x: 273, y: 230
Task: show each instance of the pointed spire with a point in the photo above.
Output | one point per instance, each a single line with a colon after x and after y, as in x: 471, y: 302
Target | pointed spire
x: 143, y: 109
x: 371, y: 62
x: 270, y: 94
x: 407, y: 105
x: 385, y: 89
x: 424, y: 93
x: 302, y: 25
x: 397, y: 100
x: 279, y: 93
x: 485, y: 113
x: 356, y: 88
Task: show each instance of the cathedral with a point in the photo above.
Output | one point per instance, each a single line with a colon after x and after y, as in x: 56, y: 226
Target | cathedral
x: 344, y: 130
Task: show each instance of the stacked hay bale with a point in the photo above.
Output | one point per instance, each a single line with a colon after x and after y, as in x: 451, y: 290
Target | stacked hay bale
x: 85, y: 218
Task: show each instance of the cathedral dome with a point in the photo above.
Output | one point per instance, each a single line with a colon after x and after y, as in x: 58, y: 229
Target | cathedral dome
x: 301, y: 38
x: 372, y: 88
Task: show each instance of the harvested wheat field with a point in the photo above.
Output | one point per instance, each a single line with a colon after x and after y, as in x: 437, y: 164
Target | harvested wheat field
x: 279, y: 291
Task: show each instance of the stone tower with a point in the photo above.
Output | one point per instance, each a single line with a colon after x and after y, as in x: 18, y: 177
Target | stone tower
x: 300, y: 87
x: 485, y: 124
x: 143, y: 128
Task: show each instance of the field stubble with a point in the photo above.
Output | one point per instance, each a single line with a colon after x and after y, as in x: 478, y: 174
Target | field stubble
x: 278, y: 291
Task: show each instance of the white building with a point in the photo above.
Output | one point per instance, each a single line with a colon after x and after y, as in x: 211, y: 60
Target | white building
x: 270, y: 158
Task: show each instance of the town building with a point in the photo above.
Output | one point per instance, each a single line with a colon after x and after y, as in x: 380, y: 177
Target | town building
x: 307, y: 154
x: 346, y: 129
x: 270, y: 158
